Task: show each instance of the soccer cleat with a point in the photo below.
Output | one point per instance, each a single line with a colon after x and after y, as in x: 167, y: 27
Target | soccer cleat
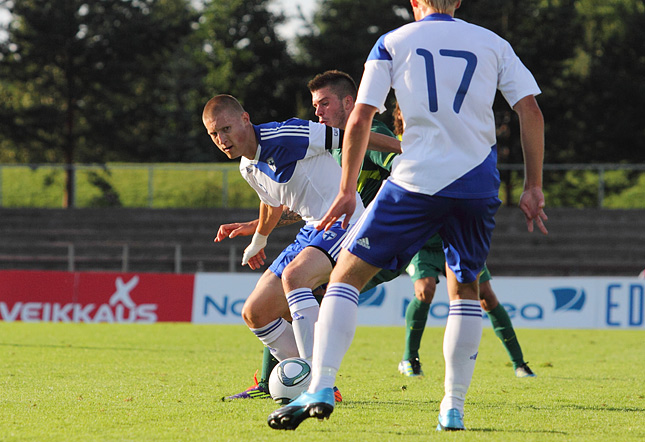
x: 256, y: 391
x: 523, y: 371
x: 337, y: 396
x: 319, y: 405
x: 410, y: 367
x: 452, y: 421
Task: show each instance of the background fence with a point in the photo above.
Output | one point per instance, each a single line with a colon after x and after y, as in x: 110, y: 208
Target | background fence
x: 620, y: 186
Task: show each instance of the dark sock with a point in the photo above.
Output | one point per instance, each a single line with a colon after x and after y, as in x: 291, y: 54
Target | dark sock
x: 416, y: 316
x: 504, y: 331
x: 268, y: 363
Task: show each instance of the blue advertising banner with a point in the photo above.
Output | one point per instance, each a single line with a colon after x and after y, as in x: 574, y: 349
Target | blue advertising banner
x: 558, y: 302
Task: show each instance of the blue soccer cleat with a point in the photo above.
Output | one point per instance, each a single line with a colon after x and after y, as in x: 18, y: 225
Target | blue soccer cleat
x: 452, y: 421
x: 319, y: 405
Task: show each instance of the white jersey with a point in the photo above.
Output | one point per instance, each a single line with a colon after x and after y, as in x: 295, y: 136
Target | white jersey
x: 445, y: 73
x: 293, y: 166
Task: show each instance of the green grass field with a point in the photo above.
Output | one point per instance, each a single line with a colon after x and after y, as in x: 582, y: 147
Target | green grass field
x: 164, y: 382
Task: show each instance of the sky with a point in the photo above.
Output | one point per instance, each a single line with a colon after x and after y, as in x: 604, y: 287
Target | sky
x: 287, y: 31
x: 289, y: 8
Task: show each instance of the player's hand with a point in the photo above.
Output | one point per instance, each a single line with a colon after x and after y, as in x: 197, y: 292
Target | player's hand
x: 236, y: 229
x: 532, y: 204
x: 257, y: 261
x: 344, y: 204
x: 254, y: 249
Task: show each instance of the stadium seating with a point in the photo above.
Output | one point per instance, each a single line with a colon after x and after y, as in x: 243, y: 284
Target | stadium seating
x: 581, y: 242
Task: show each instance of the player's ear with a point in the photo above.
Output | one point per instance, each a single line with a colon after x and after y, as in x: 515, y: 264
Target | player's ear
x: 348, y: 101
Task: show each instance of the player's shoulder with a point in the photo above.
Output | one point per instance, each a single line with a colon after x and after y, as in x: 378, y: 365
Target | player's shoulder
x: 477, y: 31
x: 277, y: 129
x: 280, y: 125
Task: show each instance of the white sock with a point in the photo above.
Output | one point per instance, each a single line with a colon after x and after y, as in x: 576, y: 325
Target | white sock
x: 334, y: 333
x: 460, y: 346
x: 304, y: 314
x: 278, y: 336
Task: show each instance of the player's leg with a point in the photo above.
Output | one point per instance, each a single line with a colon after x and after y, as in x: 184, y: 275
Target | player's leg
x: 466, y: 234
x: 416, y: 316
x: 334, y: 333
x: 377, y: 241
x: 460, y: 346
x: 260, y: 388
x: 424, y: 270
x: 502, y: 325
x: 306, y: 271
x: 262, y: 312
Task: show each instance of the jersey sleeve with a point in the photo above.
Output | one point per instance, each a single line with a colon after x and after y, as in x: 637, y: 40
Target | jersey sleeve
x: 515, y: 81
x: 377, y: 77
x: 322, y: 137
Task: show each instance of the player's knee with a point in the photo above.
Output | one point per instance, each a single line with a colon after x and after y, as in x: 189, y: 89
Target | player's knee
x: 251, y: 315
x: 290, y: 274
x: 297, y: 276
x: 424, y: 289
x: 425, y: 296
x: 487, y: 297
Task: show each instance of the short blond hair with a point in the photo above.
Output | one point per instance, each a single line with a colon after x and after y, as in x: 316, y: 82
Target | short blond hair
x: 442, y: 6
x: 219, y: 103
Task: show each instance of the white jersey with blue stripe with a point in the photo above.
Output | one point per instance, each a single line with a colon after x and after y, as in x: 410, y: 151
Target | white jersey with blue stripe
x: 445, y: 74
x: 293, y: 166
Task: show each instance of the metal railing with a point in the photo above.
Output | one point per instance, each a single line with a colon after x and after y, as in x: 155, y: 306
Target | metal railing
x: 157, y: 185
x: 72, y: 259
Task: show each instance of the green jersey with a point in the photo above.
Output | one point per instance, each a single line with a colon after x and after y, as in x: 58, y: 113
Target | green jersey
x: 376, y: 166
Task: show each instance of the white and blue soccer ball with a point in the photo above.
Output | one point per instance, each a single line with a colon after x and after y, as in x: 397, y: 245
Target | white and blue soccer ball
x: 289, y: 379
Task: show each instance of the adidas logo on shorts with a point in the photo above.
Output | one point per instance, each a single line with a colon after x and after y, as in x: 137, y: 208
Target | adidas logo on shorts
x: 364, y: 242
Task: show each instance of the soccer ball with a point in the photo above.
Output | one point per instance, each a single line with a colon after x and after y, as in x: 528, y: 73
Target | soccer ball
x: 288, y: 379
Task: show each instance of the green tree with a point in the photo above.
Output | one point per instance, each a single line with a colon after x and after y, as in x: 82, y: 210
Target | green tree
x: 243, y: 56
x: 78, y: 77
x: 536, y: 29
x: 342, y: 34
x: 611, y: 68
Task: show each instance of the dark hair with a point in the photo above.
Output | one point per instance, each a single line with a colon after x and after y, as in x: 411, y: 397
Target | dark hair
x: 398, y: 120
x: 340, y: 82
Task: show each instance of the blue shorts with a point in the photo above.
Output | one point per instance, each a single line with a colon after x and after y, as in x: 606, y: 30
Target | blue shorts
x: 397, y: 224
x: 328, y: 242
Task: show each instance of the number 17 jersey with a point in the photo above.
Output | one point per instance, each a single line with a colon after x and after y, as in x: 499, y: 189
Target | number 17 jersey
x: 445, y: 74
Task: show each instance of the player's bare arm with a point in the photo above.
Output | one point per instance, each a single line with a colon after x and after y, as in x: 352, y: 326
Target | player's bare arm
x: 248, y: 228
x: 383, y: 143
x: 355, y: 142
x: 288, y: 217
x: 254, y: 254
x: 532, y: 139
x: 232, y: 230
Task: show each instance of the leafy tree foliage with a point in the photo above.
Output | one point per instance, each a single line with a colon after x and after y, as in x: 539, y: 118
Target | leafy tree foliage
x: 610, y: 68
x: 342, y: 34
x: 126, y: 80
x: 80, y: 76
x: 243, y: 56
